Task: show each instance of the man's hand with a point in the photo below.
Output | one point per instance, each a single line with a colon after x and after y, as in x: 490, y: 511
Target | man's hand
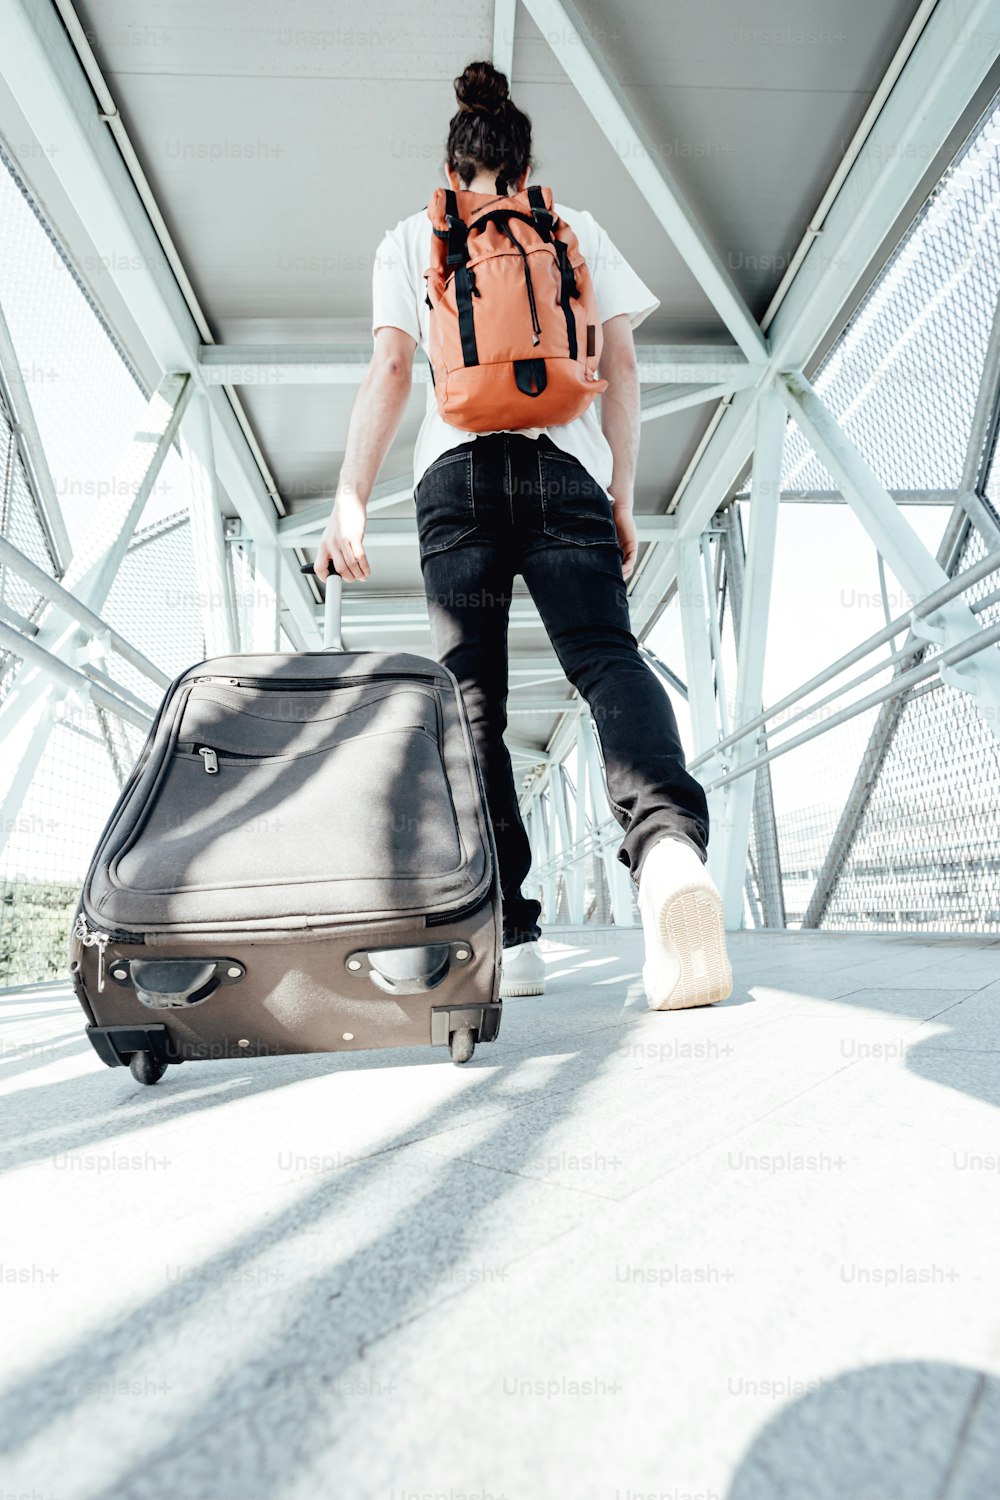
x: 341, y: 549
x: 621, y: 511
x: 375, y: 417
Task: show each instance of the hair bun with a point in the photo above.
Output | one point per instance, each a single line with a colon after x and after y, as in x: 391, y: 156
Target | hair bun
x: 481, y: 87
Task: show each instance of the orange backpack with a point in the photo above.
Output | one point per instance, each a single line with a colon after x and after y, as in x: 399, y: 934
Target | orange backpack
x: 515, y: 334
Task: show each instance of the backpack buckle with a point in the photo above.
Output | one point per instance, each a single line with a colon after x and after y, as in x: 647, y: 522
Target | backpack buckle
x: 458, y: 235
x: 543, y: 222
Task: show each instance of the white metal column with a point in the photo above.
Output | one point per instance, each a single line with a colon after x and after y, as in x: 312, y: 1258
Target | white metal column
x: 265, y: 605
x: 29, y: 443
x: 620, y: 883
x: 698, y: 666
x: 208, y: 542
x: 734, y: 835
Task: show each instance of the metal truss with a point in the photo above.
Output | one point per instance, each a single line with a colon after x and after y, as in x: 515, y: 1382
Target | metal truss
x: 939, y: 64
x: 687, y: 366
x: 68, y: 650
x: 749, y: 591
x: 50, y: 68
x: 32, y: 454
x: 53, y: 75
x: 973, y: 509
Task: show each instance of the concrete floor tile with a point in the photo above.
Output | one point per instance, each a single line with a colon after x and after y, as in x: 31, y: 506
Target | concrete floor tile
x: 745, y: 1252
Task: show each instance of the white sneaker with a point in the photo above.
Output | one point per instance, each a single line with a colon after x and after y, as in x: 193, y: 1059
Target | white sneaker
x: 522, y: 970
x: 682, y: 921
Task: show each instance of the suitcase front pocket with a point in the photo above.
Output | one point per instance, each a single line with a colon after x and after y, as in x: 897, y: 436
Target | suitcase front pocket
x: 358, y: 795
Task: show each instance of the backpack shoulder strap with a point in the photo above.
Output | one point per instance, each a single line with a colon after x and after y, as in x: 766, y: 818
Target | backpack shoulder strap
x: 544, y: 220
x: 458, y: 230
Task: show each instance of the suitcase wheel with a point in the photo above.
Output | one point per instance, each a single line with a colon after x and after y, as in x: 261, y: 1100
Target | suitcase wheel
x: 463, y: 1044
x: 145, y: 1068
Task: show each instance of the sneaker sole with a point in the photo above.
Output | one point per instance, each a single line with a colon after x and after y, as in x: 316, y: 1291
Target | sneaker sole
x: 514, y: 991
x: 692, y: 929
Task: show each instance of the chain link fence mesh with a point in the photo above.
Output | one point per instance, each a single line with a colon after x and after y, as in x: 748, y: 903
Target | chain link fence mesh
x: 20, y: 601
x: 64, y: 760
x: 913, y: 842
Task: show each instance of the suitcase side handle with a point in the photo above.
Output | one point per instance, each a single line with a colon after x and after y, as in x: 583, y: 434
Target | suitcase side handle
x: 333, y: 638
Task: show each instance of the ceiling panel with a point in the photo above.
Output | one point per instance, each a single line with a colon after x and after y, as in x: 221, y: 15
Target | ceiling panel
x: 282, y: 139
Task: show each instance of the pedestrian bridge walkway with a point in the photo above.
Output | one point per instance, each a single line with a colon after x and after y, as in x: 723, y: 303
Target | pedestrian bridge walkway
x: 737, y: 1253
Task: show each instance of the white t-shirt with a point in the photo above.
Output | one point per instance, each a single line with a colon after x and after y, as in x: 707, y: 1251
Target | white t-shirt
x: 398, y: 290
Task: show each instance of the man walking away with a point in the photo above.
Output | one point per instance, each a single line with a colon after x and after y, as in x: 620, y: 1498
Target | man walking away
x: 526, y: 309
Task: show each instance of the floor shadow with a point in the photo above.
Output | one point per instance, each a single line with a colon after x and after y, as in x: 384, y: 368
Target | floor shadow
x: 21, y: 1058
x: 107, y: 1103
x: 918, y: 1430
x: 327, y: 1322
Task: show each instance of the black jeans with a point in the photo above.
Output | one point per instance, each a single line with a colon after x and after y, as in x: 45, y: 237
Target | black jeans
x: 503, y: 504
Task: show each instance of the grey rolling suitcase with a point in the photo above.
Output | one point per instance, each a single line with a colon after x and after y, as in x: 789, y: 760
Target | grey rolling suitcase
x: 300, y: 861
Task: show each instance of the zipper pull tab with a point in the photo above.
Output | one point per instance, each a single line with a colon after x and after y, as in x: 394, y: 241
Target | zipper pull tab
x: 90, y: 937
x: 210, y: 759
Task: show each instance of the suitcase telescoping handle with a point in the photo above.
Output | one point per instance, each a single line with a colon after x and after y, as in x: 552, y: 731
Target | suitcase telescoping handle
x: 333, y: 639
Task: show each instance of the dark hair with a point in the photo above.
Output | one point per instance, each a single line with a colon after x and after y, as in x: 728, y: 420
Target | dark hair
x: 489, y: 132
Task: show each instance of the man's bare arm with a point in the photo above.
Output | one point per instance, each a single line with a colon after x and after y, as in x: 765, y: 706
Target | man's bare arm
x: 375, y: 417
x: 621, y: 426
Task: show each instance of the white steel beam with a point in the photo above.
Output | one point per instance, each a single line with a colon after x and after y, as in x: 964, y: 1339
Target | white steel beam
x: 503, y: 35
x: 208, y: 542
x: 620, y: 884
x: 561, y: 24
x: 739, y: 795
x: 665, y: 400
x: 680, y: 365
x: 29, y: 443
x: 546, y: 828
x: 68, y: 604
x: 572, y: 869
x: 901, y: 497
x: 265, y: 603
x: 720, y: 466
x: 69, y: 678
x: 305, y: 527
x: 701, y: 694
x: 714, y: 632
x: 582, y: 797
x: 697, y: 648
x: 918, y: 570
x: 576, y: 876
x: 95, y: 566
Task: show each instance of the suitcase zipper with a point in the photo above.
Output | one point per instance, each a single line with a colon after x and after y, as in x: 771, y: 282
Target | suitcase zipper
x: 209, y: 755
x: 310, y: 684
x: 95, y: 937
